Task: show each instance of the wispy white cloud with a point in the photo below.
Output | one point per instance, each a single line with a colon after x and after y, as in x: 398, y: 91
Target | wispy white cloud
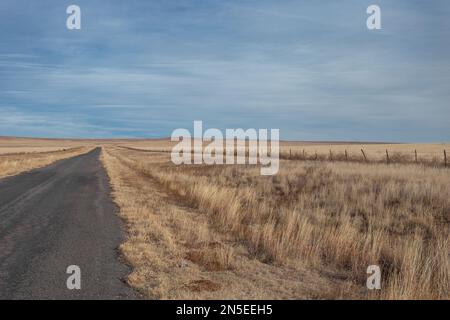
x: 310, y: 69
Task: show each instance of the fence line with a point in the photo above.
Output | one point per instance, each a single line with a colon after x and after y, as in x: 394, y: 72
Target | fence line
x: 397, y: 157
x: 335, y: 157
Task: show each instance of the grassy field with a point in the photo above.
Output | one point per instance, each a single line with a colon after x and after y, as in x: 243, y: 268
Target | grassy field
x: 323, y: 222
x: 23, y: 154
x: 309, y: 232
x: 431, y: 154
x: 15, y: 163
x: 179, y: 252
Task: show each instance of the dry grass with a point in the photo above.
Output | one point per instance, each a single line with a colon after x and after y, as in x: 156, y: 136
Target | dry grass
x: 178, y: 252
x: 17, y: 142
x: 398, y: 153
x: 15, y: 163
x: 21, y: 150
x: 308, y: 232
x: 430, y: 154
x: 331, y: 218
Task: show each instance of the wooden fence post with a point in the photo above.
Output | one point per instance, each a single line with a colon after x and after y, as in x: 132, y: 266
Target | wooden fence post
x: 364, y: 155
x: 445, y: 158
x: 331, y: 156
x: 316, y: 155
x: 387, y: 157
x: 290, y: 153
x: 304, y: 155
x: 346, y: 155
x: 415, y: 155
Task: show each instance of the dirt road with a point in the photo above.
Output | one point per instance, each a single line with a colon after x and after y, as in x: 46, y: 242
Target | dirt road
x: 58, y: 216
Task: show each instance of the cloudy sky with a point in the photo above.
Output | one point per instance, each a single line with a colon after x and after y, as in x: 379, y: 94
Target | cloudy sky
x: 144, y: 68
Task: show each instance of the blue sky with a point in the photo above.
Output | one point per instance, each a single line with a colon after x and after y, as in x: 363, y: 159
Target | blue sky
x: 144, y: 68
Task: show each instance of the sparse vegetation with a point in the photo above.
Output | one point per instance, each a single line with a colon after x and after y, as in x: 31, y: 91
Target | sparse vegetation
x: 14, y: 162
x: 331, y: 218
x: 311, y: 231
x: 178, y: 252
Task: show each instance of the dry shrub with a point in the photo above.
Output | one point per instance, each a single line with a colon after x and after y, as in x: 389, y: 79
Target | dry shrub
x: 203, y: 285
x: 214, y: 257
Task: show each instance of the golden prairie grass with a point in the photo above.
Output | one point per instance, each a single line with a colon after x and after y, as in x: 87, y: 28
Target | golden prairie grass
x: 15, y: 163
x: 177, y: 252
x: 376, y: 152
x: 334, y: 216
x: 431, y: 154
x: 22, y: 150
x: 18, y: 142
